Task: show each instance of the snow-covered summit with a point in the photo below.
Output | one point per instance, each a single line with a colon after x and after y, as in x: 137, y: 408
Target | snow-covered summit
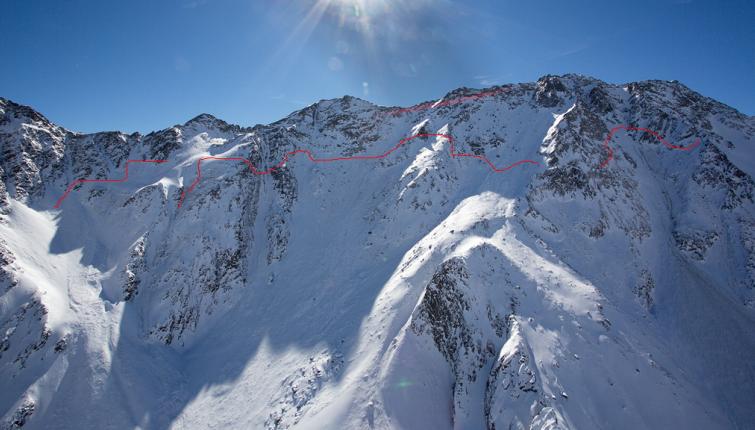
x: 387, y: 284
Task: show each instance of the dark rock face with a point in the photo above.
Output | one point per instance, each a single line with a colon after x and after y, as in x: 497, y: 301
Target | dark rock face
x: 550, y: 90
x: 210, y: 122
x: 21, y: 415
x: 512, y: 378
x: 717, y: 173
x: 133, y: 270
x: 443, y: 311
x: 747, y: 234
x: 599, y: 100
x: 7, y: 274
x: 695, y: 243
x: 31, y: 148
x: 645, y: 288
x: 162, y: 143
x: 25, y: 332
x: 566, y: 180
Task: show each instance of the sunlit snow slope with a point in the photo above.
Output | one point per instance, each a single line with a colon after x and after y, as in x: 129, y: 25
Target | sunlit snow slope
x: 413, y: 291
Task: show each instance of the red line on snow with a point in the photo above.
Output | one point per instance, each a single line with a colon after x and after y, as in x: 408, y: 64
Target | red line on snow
x: 655, y: 134
x: 457, y: 100
x: 427, y: 105
x: 397, y: 111
x: 85, y: 181
x: 449, y: 102
x: 309, y: 155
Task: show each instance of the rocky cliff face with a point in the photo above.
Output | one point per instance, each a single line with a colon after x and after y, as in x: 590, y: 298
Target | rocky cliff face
x: 411, y: 290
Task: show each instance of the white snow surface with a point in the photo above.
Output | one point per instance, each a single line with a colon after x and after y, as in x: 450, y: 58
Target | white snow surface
x: 416, y: 291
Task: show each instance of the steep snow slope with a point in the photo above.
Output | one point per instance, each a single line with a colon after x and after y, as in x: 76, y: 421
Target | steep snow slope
x: 417, y: 290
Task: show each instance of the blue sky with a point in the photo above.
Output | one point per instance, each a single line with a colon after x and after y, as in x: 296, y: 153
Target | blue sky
x: 145, y: 65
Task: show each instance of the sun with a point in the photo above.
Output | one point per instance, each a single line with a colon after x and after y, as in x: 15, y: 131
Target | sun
x: 363, y: 26
x: 358, y: 14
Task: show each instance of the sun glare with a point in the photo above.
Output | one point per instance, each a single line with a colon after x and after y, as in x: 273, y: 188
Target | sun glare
x: 358, y: 14
x: 363, y: 15
x: 371, y: 29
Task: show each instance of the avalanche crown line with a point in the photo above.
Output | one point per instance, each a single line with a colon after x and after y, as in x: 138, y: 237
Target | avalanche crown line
x: 85, y: 181
x: 452, y: 153
x: 655, y: 134
x: 449, y: 102
x: 309, y: 155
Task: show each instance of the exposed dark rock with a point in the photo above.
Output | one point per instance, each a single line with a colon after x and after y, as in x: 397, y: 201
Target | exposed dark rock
x: 21, y: 415
x: 599, y: 100
x: 695, y: 243
x: 550, y: 91
x: 716, y: 172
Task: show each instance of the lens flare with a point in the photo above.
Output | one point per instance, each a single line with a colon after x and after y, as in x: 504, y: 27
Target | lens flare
x: 371, y: 37
x: 404, y: 383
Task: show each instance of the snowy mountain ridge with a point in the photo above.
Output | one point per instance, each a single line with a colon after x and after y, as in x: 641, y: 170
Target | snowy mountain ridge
x: 418, y: 290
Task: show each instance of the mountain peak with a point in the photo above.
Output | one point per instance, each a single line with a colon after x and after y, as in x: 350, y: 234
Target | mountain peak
x: 204, y: 118
x: 17, y: 110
